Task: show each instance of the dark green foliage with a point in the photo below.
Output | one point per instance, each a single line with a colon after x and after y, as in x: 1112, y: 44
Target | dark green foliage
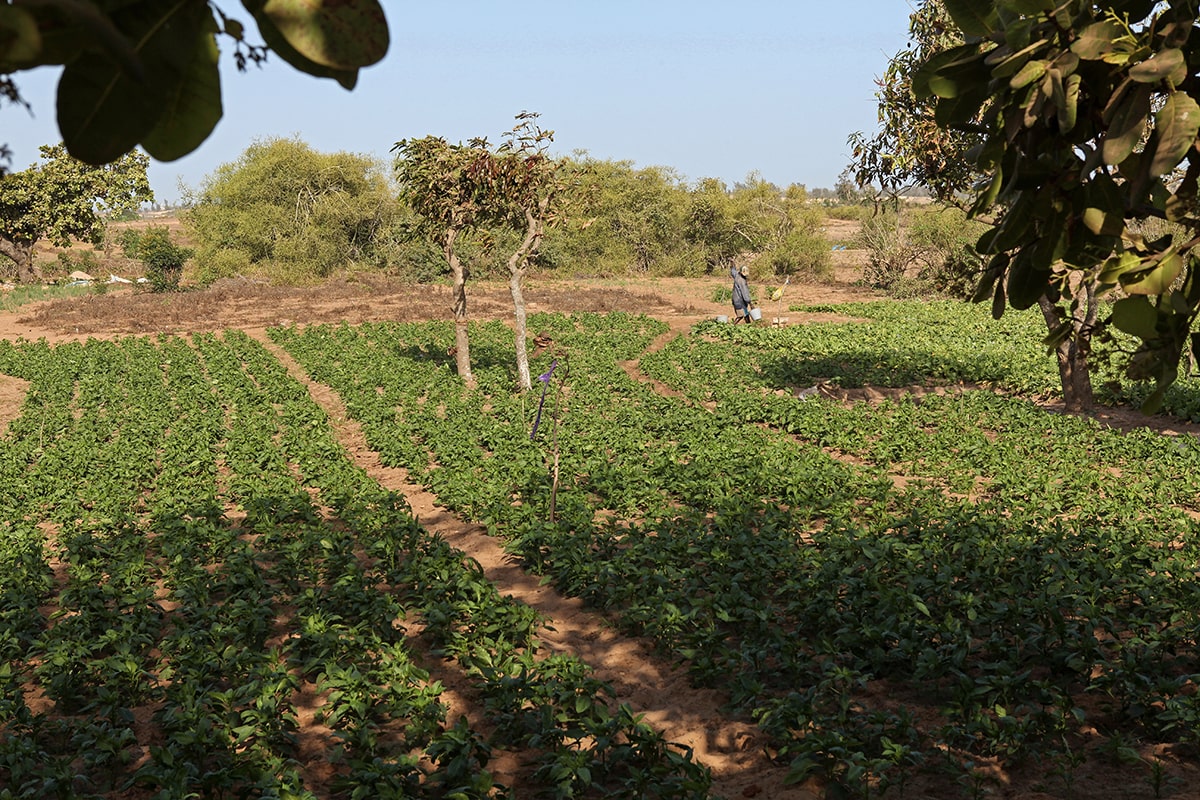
x: 216, y: 628
x: 1008, y: 583
x: 144, y: 73
x: 162, y: 258
x: 922, y: 251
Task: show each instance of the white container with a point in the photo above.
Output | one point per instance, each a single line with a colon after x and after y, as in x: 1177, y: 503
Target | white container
x: 756, y: 314
x: 722, y: 318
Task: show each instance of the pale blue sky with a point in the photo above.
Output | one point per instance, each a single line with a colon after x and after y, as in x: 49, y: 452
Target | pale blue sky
x: 711, y: 89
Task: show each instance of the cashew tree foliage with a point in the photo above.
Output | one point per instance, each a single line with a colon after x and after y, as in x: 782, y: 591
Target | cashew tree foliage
x: 61, y: 199
x: 910, y: 148
x: 1087, y: 118
x: 144, y: 72
x: 437, y: 180
x: 473, y: 190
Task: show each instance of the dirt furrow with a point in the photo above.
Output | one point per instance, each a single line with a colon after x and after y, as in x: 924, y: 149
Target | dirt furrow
x: 732, y: 748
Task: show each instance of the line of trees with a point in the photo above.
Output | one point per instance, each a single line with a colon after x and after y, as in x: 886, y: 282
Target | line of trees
x: 287, y: 212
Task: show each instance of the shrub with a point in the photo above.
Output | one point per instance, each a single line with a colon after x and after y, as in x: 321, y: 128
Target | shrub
x: 922, y: 251
x: 83, y: 260
x: 856, y: 213
x: 162, y: 258
x: 297, y: 214
x: 945, y: 241
x: 130, y: 239
x: 889, y: 253
x: 802, y: 252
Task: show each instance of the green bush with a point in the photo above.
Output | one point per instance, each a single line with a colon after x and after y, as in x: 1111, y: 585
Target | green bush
x: 297, y: 214
x: 889, y: 253
x: 802, y: 252
x: 856, y: 213
x: 163, y: 259
x: 921, y: 251
x: 83, y: 260
x: 130, y: 239
x: 945, y: 240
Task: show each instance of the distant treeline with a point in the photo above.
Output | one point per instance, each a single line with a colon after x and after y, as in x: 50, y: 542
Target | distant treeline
x: 289, y: 213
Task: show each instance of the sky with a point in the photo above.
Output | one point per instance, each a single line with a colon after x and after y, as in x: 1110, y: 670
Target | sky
x: 708, y: 89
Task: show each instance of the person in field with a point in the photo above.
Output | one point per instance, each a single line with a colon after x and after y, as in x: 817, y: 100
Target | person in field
x: 741, y: 292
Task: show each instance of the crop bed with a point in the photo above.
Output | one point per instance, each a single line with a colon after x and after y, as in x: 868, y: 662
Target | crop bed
x: 948, y: 587
x: 953, y: 591
x: 191, y: 564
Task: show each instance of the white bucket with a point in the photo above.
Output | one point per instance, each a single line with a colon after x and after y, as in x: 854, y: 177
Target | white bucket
x: 722, y: 318
x: 756, y: 314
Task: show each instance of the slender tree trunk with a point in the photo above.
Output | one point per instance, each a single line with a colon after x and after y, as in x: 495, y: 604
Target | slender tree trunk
x: 20, y: 251
x: 1072, y: 352
x: 462, y: 344
x: 514, y: 284
x: 517, y: 267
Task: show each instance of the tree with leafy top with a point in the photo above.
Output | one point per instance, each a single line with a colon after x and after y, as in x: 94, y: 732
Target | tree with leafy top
x: 61, y: 199
x: 435, y: 179
x: 465, y: 190
x: 526, y: 189
x: 910, y: 148
x: 1086, y: 118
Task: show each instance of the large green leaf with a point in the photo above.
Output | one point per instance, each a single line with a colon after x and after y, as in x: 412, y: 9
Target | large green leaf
x: 1117, y: 265
x: 340, y: 35
x: 1169, y: 65
x: 275, y: 40
x: 1032, y: 71
x: 193, y: 109
x: 1027, y: 281
x: 1096, y: 40
x: 1157, y: 279
x: 963, y: 108
x: 1028, y: 6
x: 973, y: 18
x: 1016, y: 225
x: 1128, y: 125
x: 67, y: 29
x: 103, y: 110
x: 1175, y: 124
x: 20, y: 39
x: 1135, y: 316
x: 1104, y: 222
x: 940, y: 76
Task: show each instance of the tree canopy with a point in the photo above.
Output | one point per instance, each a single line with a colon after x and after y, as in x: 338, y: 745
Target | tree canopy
x: 62, y: 198
x: 1087, y: 117
x: 472, y: 190
x: 910, y: 148
x: 144, y: 72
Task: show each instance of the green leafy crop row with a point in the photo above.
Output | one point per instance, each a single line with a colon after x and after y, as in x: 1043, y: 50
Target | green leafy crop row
x: 967, y: 552
x: 192, y: 565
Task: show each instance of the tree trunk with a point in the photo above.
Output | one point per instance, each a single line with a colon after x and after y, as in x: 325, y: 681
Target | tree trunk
x: 20, y: 251
x: 462, y: 344
x: 514, y: 284
x: 517, y: 266
x: 1072, y: 352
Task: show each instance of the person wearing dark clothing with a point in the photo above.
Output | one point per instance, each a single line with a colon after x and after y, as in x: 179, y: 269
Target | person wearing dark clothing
x: 741, y: 293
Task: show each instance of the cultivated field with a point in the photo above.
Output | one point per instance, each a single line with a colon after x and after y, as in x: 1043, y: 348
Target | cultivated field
x: 258, y: 542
